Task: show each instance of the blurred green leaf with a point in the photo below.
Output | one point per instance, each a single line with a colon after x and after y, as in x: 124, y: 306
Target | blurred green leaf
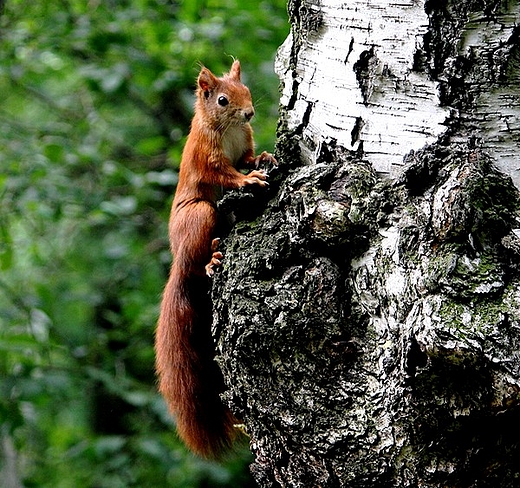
x: 6, y: 247
x: 151, y: 145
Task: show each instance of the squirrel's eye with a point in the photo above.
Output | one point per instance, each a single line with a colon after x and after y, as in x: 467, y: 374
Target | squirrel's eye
x: 222, y: 101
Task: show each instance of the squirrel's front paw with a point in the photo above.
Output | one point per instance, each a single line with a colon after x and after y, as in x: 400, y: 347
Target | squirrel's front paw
x: 256, y: 177
x: 265, y: 159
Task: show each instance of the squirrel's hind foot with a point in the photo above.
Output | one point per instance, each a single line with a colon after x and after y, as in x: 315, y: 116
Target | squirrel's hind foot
x: 216, y: 258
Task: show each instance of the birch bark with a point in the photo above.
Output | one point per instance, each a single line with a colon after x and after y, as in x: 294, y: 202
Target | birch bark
x: 367, y: 314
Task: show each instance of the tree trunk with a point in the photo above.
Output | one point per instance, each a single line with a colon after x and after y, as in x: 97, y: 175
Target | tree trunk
x: 367, y: 313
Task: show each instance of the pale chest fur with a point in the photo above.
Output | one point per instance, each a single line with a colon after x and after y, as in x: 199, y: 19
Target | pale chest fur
x: 235, y: 142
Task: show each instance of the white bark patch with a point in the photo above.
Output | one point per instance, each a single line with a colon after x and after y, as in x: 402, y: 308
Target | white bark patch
x: 396, y: 110
x: 496, y: 119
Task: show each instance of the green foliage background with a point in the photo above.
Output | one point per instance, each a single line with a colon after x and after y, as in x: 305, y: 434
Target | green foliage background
x: 95, y: 103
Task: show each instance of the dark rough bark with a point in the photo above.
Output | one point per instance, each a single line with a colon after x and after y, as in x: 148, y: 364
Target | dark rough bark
x: 368, y: 324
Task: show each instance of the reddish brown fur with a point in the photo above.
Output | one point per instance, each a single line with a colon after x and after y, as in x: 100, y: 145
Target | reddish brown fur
x: 220, y: 140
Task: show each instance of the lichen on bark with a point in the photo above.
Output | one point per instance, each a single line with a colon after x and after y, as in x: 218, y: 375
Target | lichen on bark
x: 357, y: 352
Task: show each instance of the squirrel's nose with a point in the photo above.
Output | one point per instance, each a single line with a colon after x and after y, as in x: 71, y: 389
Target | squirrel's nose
x: 249, y: 113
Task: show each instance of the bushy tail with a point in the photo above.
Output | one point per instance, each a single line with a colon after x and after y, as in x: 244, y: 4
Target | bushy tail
x: 189, y: 378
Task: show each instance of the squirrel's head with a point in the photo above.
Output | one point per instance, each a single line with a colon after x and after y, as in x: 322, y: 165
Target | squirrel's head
x: 224, y: 101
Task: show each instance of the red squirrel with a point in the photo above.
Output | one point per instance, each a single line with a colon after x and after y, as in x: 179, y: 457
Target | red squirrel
x: 219, y: 142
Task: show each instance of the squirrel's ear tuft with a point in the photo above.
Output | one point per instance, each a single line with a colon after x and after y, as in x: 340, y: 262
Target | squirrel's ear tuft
x: 207, y: 80
x: 234, y: 72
